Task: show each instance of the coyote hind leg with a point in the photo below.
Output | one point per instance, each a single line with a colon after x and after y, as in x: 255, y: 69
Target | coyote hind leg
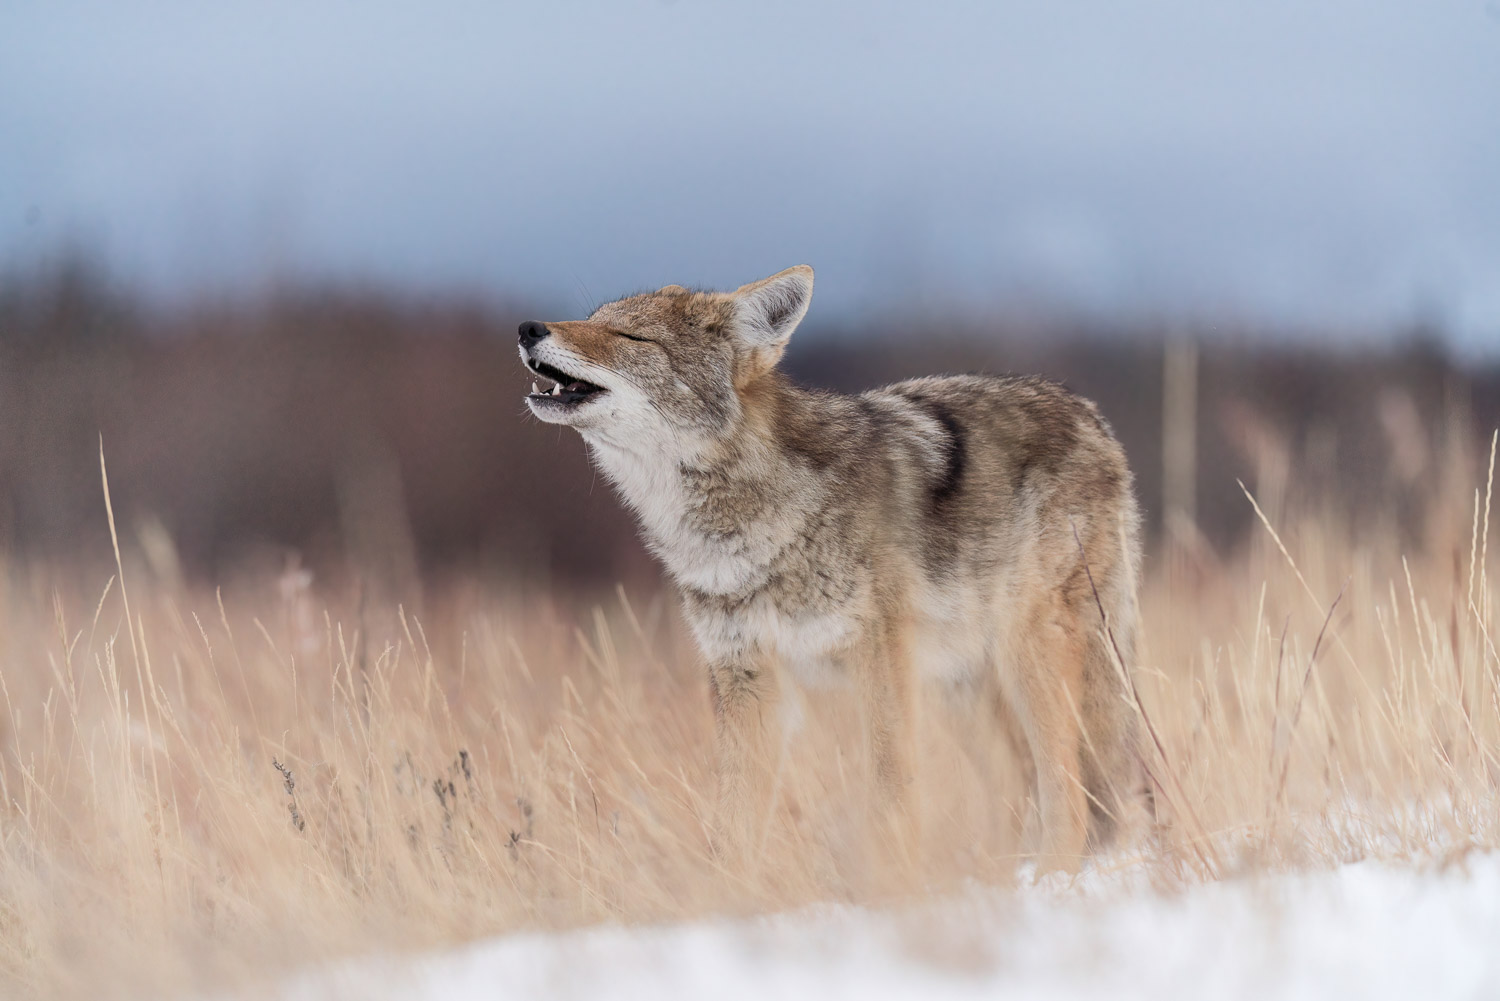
x: 1112, y: 770
x: 1042, y: 684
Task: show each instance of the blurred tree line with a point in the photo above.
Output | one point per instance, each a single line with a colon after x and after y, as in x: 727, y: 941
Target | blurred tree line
x: 355, y: 430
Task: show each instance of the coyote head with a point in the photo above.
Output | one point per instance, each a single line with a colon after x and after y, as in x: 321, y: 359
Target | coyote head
x: 669, y: 364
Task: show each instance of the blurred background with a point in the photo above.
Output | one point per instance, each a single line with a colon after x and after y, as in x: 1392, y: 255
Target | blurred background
x: 275, y: 253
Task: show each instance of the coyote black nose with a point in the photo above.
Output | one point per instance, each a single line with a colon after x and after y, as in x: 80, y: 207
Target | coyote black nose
x: 531, y: 332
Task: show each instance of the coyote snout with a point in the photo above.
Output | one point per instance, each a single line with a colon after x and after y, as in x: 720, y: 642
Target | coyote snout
x: 944, y: 528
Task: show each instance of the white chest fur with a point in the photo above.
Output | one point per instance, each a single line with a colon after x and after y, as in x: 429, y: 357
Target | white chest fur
x: 654, y: 489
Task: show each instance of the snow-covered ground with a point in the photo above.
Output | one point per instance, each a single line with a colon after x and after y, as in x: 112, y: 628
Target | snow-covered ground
x: 1367, y: 930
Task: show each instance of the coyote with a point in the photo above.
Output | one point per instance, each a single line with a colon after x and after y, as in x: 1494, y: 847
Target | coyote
x: 962, y: 529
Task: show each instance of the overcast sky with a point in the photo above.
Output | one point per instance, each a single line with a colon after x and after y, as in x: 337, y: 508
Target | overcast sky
x: 1280, y: 162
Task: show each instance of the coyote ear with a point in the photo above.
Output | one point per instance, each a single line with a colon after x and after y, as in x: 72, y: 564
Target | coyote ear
x: 766, y: 312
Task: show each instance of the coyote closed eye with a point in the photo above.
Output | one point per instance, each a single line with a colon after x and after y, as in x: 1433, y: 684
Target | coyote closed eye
x: 924, y: 530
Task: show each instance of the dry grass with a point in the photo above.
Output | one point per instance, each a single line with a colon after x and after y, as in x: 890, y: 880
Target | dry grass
x: 210, y: 789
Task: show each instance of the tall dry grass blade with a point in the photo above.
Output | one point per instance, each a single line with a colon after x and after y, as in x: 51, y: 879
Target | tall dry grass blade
x: 1484, y: 544
x: 1301, y: 695
x: 145, y: 684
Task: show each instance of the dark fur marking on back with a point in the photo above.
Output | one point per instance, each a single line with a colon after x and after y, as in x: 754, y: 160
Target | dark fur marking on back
x: 941, y: 531
x: 957, y: 453
x: 955, y: 447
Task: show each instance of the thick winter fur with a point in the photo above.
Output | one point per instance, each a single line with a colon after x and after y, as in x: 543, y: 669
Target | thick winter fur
x: 928, y: 530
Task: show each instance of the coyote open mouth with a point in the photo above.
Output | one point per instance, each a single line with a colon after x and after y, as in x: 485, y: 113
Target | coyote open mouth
x: 566, y: 389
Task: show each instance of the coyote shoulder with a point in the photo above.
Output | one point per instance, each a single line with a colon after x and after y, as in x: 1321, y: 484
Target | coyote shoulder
x: 951, y: 529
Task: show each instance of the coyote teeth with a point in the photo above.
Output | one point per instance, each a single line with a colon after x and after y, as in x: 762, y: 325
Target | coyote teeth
x: 534, y: 390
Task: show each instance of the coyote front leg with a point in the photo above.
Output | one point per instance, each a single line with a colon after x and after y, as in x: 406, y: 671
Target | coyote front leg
x: 890, y: 723
x: 746, y: 696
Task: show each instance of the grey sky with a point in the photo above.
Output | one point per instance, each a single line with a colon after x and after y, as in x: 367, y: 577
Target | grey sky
x: 1327, y: 163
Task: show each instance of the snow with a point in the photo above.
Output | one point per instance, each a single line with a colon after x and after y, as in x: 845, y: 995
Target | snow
x: 1368, y: 930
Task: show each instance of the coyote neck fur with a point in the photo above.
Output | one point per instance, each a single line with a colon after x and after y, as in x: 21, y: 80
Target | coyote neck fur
x: 718, y: 509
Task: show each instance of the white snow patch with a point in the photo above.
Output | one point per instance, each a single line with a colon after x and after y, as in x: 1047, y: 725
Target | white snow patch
x: 1366, y: 930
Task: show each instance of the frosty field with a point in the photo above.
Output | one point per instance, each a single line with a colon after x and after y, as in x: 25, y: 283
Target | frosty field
x: 1365, y: 930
